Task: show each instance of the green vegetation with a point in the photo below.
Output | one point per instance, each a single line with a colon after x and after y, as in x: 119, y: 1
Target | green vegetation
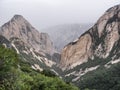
x: 16, y: 74
x: 102, y: 79
x: 90, y: 63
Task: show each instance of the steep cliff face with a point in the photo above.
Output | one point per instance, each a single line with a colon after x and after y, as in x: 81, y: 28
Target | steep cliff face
x: 20, y: 28
x: 102, y: 41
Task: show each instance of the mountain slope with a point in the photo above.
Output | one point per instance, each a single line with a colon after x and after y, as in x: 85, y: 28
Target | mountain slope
x: 63, y: 34
x: 102, y: 79
x: 32, y: 46
x: 16, y: 74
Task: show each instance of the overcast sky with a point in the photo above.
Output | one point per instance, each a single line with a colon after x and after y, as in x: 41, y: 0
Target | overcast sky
x: 45, y: 13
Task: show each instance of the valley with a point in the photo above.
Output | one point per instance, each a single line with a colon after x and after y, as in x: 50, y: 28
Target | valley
x: 73, y: 57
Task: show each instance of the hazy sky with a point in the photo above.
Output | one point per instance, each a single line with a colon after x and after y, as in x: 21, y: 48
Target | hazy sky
x: 45, y: 13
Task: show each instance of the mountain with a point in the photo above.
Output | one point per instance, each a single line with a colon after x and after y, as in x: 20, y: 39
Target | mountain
x: 61, y: 35
x: 91, y: 61
x: 102, y: 41
x: 20, y: 28
x: 94, y: 51
x: 26, y: 60
x: 32, y: 46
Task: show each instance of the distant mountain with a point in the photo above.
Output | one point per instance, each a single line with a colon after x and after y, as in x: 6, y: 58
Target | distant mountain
x: 95, y: 50
x: 63, y: 34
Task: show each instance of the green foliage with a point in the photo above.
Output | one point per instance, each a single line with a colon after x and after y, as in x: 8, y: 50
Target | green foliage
x: 16, y: 74
x: 102, y: 79
x: 48, y: 73
x: 90, y: 63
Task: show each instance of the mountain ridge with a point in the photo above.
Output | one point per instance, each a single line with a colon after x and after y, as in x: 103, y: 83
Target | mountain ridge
x: 96, y: 42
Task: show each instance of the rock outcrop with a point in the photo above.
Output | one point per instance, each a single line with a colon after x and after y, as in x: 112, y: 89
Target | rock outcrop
x: 102, y: 40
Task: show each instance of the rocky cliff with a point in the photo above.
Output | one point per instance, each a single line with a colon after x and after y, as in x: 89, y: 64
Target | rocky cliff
x: 102, y: 41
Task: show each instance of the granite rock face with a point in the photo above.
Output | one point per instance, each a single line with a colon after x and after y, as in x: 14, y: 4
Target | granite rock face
x: 102, y: 40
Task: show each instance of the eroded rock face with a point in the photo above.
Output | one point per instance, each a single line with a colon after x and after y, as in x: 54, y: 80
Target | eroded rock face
x: 99, y: 41
x: 20, y: 28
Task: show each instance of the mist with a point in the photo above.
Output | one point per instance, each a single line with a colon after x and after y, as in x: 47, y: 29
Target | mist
x: 45, y: 13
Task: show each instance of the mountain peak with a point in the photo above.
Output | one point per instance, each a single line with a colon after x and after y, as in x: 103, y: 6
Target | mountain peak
x: 19, y: 27
x: 18, y: 18
x: 116, y: 7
